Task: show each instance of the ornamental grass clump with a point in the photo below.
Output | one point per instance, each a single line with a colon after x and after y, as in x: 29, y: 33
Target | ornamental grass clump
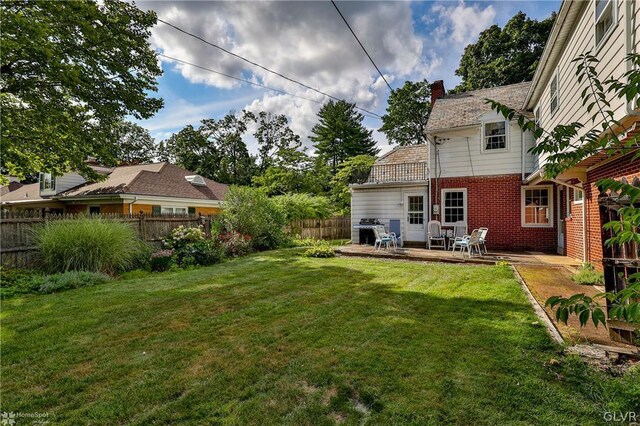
x: 87, y: 244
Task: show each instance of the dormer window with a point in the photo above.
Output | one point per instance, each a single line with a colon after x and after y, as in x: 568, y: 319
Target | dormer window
x: 196, y: 180
x: 494, y: 136
x: 47, y: 182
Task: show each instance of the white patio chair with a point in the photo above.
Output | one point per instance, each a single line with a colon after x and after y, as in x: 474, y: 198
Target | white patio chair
x: 381, y: 238
x: 483, y: 239
x: 459, y: 232
x: 434, y: 234
x: 469, y: 242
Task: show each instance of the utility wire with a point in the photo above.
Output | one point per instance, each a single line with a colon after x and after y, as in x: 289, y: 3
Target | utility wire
x: 253, y: 83
x: 262, y: 67
x: 360, y: 43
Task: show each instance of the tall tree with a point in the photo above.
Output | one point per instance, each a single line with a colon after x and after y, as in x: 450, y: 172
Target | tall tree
x: 133, y: 144
x: 504, y: 56
x: 354, y: 170
x: 407, y: 113
x: 66, y: 80
x: 275, y: 139
x: 339, y: 134
x: 189, y: 148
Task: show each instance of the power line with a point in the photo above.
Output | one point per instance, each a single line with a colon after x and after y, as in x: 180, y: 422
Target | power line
x: 262, y: 66
x: 253, y: 83
x: 360, y: 43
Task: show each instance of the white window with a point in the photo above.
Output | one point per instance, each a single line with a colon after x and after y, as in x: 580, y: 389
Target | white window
x: 454, y: 206
x: 47, y: 182
x: 553, y: 93
x: 173, y: 210
x: 494, y: 136
x: 605, y: 19
x: 537, y: 206
x: 578, y: 195
x: 415, y: 209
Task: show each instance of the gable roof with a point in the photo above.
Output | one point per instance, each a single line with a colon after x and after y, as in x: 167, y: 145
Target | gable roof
x: 464, y: 109
x: 405, y: 154
x: 29, y: 192
x: 156, y: 179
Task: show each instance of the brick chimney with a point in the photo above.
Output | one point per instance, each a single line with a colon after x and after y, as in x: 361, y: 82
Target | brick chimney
x: 437, y: 91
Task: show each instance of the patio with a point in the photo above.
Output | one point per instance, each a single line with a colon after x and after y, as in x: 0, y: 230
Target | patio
x: 448, y: 256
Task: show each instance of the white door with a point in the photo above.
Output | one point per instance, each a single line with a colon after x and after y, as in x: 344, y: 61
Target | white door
x: 562, y: 213
x: 415, y: 217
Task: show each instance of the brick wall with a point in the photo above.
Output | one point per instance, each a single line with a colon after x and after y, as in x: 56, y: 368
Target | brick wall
x: 494, y: 202
x: 617, y: 169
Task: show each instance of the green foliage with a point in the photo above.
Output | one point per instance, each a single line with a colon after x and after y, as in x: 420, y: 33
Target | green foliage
x: 133, y: 144
x: 70, y: 280
x: 353, y: 170
x: 162, y: 260
x: 304, y: 206
x: 276, y: 141
x: 567, y: 145
x: 182, y: 236
x: 235, y: 244
x: 298, y: 241
x: 199, y: 253
x: 87, y: 244
x: 320, y: 249
x: 587, y: 275
x: 250, y: 211
x: 504, y: 56
x: 67, y: 80
x: 339, y: 134
x: 14, y: 282
x: 407, y: 113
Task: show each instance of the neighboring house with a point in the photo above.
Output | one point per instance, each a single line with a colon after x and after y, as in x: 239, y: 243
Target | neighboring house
x: 158, y: 188
x: 479, y: 168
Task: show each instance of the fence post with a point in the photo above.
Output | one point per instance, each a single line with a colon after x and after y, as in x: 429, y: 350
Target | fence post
x: 142, y: 226
x: 206, y: 223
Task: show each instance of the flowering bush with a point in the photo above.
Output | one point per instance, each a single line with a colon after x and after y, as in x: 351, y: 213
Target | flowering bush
x: 320, y: 249
x: 182, y: 236
x: 199, y: 253
x: 161, y: 260
x: 235, y: 243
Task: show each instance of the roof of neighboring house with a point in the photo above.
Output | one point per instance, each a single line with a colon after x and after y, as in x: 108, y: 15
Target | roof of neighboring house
x: 406, y: 154
x: 29, y: 192
x: 13, y: 185
x: 464, y: 109
x: 156, y: 179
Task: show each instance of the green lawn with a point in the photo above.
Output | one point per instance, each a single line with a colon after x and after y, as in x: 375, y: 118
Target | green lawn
x: 278, y: 338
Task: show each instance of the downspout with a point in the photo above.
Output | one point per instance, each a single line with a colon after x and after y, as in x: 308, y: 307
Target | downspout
x: 135, y: 198
x: 584, y: 215
x: 522, y: 148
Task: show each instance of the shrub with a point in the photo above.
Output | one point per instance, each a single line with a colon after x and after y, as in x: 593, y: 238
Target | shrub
x: 304, y: 206
x: 320, y: 249
x: 199, y: 253
x: 181, y: 237
x: 250, y: 212
x: 587, y: 275
x: 161, y: 260
x: 298, y: 241
x: 15, y: 282
x: 87, y: 244
x: 70, y: 280
x: 235, y: 244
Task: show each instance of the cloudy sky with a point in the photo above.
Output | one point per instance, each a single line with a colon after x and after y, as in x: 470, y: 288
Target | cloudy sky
x: 309, y: 42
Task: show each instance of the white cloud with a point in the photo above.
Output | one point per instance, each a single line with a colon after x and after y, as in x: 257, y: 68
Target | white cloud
x: 462, y: 24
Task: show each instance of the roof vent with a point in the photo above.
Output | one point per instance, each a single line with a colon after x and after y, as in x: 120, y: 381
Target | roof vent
x: 196, y: 180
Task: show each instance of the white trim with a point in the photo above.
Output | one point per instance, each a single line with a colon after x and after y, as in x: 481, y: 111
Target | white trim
x: 173, y: 209
x: 550, y: 195
x: 614, y: 11
x: 483, y: 142
x: 556, y: 77
x: 465, y: 204
x: 576, y: 191
x: 145, y: 199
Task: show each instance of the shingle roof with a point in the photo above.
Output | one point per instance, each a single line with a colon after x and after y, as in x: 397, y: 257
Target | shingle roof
x: 464, y: 109
x: 406, y: 154
x: 159, y: 179
x: 30, y: 192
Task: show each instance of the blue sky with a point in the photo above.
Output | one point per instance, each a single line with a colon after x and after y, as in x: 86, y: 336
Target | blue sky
x: 309, y: 42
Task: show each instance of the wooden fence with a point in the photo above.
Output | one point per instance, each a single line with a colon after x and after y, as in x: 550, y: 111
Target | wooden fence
x: 17, y: 230
x: 335, y: 228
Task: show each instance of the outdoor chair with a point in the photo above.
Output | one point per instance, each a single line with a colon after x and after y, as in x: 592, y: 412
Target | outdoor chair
x: 469, y: 243
x: 435, y: 235
x: 483, y: 239
x: 394, y: 231
x: 459, y: 232
x: 381, y: 238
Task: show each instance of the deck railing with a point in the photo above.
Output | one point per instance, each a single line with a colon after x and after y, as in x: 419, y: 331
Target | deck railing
x: 402, y: 172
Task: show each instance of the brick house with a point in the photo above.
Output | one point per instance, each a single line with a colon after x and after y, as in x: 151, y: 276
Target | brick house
x: 157, y: 188
x: 479, y: 168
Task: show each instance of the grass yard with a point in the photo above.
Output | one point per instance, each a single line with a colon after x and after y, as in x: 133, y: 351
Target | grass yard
x: 278, y: 338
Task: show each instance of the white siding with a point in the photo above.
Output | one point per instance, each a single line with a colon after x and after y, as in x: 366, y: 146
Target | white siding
x: 611, y: 54
x: 383, y: 204
x: 460, y: 154
x: 68, y: 181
